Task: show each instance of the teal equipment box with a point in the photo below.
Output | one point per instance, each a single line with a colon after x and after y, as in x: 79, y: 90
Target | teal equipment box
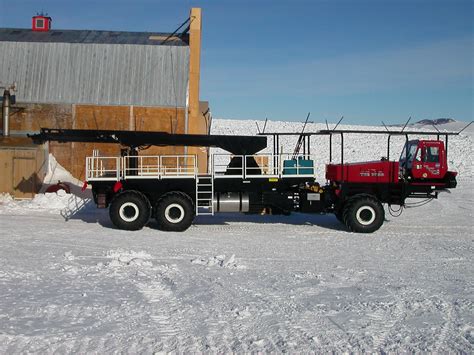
x: 298, y: 166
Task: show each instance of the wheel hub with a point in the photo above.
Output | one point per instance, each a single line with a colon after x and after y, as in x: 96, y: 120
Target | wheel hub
x: 174, y: 213
x: 129, y: 212
x: 365, y: 215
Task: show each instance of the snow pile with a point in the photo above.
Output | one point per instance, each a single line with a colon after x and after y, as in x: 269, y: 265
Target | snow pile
x: 56, y: 172
x: 5, y: 199
x: 120, y: 257
x: 53, y: 202
x: 220, y: 261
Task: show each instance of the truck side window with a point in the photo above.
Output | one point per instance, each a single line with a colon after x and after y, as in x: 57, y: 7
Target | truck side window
x: 432, y: 155
x: 418, y: 155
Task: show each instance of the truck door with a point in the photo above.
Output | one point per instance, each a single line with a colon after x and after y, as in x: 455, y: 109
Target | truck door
x: 430, y: 161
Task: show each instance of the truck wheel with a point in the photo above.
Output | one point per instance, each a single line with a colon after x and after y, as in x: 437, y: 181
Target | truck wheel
x: 174, y: 212
x: 130, y: 210
x: 363, y: 214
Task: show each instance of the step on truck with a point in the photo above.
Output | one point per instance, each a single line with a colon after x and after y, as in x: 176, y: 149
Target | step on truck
x: 169, y: 188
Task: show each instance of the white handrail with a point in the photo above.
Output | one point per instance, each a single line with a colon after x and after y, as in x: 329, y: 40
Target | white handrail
x: 186, y: 165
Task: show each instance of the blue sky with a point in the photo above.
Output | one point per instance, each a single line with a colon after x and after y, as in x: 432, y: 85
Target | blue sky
x: 368, y: 60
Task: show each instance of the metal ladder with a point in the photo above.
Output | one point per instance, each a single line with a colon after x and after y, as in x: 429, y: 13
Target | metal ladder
x: 204, y: 195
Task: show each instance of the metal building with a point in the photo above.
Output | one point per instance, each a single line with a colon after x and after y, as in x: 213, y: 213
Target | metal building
x: 86, y: 79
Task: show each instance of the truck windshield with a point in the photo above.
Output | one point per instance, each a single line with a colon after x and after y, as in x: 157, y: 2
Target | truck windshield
x: 411, y: 148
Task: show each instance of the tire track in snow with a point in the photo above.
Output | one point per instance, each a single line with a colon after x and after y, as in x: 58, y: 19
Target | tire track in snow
x: 447, y: 326
x: 383, y: 325
x: 163, y: 305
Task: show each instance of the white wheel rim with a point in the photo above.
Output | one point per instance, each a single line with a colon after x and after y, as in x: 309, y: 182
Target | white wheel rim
x: 125, y: 214
x: 365, y: 221
x: 168, y: 215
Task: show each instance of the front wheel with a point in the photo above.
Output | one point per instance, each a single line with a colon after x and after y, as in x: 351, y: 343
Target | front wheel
x: 130, y: 210
x: 174, y: 212
x: 363, y: 214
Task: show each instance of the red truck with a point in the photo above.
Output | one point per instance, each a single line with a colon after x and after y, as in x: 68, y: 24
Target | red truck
x: 136, y: 187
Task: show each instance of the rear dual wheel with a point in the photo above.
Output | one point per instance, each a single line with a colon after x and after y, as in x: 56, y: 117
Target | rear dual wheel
x: 130, y: 210
x: 363, y: 214
x: 174, y: 212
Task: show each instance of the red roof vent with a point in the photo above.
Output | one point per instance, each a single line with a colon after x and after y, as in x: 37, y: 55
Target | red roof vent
x: 41, y: 23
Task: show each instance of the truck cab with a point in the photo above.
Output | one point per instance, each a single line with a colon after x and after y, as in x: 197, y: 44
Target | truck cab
x: 425, y: 160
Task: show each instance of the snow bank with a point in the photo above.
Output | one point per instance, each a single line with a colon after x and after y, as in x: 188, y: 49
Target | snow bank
x: 56, y: 172
x: 120, y: 257
x: 62, y: 202
x: 52, y: 202
x: 220, y: 261
x: 5, y: 198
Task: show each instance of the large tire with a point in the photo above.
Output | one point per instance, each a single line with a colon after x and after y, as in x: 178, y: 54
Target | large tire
x: 130, y: 210
x: 363, y: 214
x: 174, y: 212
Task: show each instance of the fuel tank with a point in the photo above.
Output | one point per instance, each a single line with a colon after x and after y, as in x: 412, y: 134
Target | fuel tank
x: 231, y: 202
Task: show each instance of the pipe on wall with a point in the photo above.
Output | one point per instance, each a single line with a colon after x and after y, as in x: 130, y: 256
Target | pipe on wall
x: 6, y: 113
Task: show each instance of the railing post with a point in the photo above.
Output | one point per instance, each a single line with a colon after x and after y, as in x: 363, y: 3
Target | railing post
x: 212, y: 166
x: 160, y: 165
x: 125, y: 158
x: 117, y: 167
x: 280, y: 169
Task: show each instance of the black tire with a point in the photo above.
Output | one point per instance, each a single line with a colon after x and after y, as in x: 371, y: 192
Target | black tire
x: 363, y: 214
x: 130, y: 210
x: 174, y: 212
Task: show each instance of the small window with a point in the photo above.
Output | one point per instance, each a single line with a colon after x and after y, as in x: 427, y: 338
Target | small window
x: 39, y: 23
x: 418, y: 155
x: 432, y: 155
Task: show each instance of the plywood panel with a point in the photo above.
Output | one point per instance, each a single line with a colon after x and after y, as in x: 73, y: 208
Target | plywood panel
x: 102, y: 117
x: 41, y: 165
x: 159, y: 119
x: 32, y: 117
x: 23, y: 171
x: 6, y: 177
x: 24, y: 185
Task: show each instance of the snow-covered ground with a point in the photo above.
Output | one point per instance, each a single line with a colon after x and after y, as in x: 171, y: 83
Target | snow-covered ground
x: 70, y: 282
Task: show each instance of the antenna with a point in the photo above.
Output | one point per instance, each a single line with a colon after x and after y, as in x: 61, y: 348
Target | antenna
x: 436, y: 128
x: 265, y: 124
x: 327, y: 126
x: 338, y: 123
x: 385, y: 126
x: 300, y: 138
x: 405, y: 125
x: 470, y: 123
x: 258, y: 128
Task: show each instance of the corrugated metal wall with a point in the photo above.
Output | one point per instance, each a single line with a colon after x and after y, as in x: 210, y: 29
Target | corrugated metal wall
x: 99, y: 74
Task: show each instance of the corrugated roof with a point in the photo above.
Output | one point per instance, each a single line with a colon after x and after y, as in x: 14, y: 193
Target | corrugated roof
x: 89, y: 36
x: 98, y: 74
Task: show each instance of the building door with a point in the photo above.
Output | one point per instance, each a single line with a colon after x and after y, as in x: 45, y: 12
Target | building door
x: 24, y: 177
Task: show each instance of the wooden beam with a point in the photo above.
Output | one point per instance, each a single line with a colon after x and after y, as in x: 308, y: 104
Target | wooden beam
x: 194, y: 69
x: 195, y: 117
